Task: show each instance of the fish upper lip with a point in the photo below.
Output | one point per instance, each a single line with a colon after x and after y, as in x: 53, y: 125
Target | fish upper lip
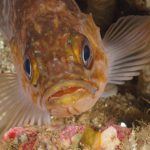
x: 64, y: 91
x: 66, y: 84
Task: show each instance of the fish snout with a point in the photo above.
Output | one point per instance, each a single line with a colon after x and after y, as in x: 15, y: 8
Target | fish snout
x: 56, y: 66
x: 59, y: 68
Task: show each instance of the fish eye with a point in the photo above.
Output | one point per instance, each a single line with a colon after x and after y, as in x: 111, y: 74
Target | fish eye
x: 27, y: 67
x: 86, y: 54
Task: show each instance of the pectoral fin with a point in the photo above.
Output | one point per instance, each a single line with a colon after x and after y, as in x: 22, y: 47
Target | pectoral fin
x: 15, y: 110
x: 127, y: 43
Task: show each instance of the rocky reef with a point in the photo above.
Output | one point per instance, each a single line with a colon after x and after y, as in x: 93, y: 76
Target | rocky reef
x: 126, y: 114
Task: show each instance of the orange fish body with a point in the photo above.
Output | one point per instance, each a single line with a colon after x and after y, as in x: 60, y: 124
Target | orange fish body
x: 53, y: 40
x: 62, y: 64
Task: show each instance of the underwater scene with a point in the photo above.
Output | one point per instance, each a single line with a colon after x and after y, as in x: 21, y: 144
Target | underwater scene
x: 74, y: 74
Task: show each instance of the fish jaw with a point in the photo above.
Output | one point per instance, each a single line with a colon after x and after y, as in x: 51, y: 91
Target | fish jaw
x: 69, y: 98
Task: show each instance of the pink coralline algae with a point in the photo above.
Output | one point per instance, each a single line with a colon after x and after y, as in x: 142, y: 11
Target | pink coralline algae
x: 13, y: 133
x: 71, y: 131
x: 26, y: 137
x: 122, y: 132
x: 29, y: 138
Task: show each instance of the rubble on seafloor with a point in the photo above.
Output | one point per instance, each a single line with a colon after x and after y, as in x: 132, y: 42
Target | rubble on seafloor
x: 68, y: 137
x: 129, y: 108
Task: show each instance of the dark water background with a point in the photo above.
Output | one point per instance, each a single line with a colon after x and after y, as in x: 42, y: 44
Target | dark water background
x: 105, y: 12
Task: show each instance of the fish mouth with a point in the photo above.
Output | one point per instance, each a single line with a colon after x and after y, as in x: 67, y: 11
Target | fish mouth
x: 64, y: 91
x: 64, y: 87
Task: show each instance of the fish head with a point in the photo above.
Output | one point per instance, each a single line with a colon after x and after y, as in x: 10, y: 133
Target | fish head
x: 65, y: 67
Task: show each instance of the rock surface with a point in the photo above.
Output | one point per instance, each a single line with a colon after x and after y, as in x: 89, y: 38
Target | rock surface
x: 144, y: 82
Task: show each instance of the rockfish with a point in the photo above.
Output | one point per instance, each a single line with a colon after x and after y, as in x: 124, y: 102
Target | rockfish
x: 62, y: 64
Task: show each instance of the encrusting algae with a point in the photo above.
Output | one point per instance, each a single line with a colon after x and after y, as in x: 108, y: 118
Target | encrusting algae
x: 62, y: 66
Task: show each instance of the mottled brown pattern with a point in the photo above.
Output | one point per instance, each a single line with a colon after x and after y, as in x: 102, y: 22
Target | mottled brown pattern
x: 52, y: 34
